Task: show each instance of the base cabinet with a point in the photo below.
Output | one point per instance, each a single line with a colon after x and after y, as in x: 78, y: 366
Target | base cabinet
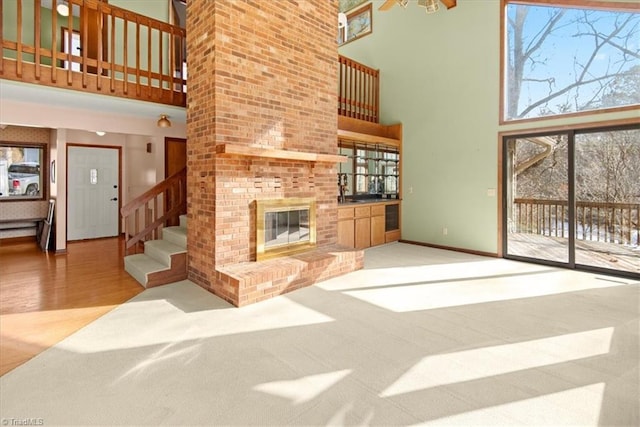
x: 377, y: 230
x: 364, y: 226
x: 346, y: 233
x: 363, y: 232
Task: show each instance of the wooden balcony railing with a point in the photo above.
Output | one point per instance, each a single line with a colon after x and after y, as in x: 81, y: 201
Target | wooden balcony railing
x: 358, y: 91
x: 145, y: 215
x: 97, y: 48
x: 595, y: 221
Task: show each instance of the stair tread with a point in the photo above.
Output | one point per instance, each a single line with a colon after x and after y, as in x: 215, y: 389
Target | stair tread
x: 176, y: 229
x: 165, y: 246
x: 145, y: 263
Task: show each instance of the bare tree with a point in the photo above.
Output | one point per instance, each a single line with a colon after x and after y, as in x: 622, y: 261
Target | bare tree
x: 531, y: 44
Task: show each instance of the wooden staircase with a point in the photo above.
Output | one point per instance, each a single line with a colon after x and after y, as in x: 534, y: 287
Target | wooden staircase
x: 148, y: 223
x: 164, y: 260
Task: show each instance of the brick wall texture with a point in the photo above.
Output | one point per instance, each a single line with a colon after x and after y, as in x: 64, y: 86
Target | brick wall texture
x: 260, y: 73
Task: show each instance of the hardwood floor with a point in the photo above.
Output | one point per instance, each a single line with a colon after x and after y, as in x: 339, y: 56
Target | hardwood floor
x: 45, y: 297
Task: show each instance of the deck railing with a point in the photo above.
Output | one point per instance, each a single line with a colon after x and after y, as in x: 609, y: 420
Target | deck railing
x: 595, y: 221
x: 120, y: 53
x: 359, y: 91
x: 146, y: 215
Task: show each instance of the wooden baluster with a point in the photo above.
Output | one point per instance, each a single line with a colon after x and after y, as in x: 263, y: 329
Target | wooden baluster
x: 100, y: 68
x: 359, y: 91
x: 84, y: 18
x: 112, y: 60
x: 149, y: 59
x: 339, y: 85
x: 377, y: 102
x: 54, y: 42
x: 370, y: 98
x: 125, y: 76
x: 69, y: 44
x: 136, y: 224
x: 37, y: 19
x: 137, y: 57
x: 19, y: 40
x: 160, y: 61
x: 1, y: 41
x: 353, y: 91
x: 172, y: 67
x: 155, y: 216
x: 629, y: 225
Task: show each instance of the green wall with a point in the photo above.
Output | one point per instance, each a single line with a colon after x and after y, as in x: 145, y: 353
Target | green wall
x: 10, y: 31
x: 157, y: 9
x: 440, y: 77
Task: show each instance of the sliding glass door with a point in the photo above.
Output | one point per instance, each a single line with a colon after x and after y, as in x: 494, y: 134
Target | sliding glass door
x: 607, y: 198
x: 573, y: 198
x: 537, y: 218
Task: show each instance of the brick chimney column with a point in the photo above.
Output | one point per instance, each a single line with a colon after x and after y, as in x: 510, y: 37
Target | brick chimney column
x: 260, y: 73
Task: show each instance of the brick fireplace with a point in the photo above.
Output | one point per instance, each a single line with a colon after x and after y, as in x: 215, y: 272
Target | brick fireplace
x: 261, y: 126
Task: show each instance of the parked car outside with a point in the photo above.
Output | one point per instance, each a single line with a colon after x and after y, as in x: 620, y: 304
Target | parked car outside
x: 24, y: 179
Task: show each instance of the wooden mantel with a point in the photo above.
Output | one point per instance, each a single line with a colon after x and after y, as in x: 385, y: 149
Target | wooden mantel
x: 273, y: 153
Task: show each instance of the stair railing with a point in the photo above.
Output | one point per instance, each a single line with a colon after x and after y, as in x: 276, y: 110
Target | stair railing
x: 161, y: 205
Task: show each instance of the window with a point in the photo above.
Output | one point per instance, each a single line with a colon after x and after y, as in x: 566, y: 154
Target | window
x: 561, y: 59
x: 22, y: 171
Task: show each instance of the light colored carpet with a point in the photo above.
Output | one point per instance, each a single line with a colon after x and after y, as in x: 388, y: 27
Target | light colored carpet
x: 419, y: 336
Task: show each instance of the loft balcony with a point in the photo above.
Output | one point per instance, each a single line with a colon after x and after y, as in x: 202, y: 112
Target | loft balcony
x: 97, y: 48
x: 103, y: 49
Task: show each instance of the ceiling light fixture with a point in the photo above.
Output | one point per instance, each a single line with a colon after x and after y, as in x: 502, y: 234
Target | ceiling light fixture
x: 431, y: 6
x: 100, y: 133
x: 63, y: 9
x: 164, y: 122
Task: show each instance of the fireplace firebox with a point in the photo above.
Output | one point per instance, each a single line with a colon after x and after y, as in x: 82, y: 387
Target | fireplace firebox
x: 284, y: 226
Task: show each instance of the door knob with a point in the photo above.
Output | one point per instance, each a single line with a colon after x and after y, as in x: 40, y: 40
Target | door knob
x: 114, y: 199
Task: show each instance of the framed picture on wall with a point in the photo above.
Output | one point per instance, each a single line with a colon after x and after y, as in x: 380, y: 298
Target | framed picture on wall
x: 359, y: 24
x: 347, y: 5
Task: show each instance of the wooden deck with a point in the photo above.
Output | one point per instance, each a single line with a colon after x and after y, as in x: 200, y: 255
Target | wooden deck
x: 45, y: 298
x: 595, y: 254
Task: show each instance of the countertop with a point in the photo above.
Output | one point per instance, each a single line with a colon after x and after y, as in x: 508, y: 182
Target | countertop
x: 364, y: 202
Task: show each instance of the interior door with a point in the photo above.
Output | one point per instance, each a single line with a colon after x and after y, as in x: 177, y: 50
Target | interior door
x: 92, y: 192
x: 175, y: 152
x: 96, y: 37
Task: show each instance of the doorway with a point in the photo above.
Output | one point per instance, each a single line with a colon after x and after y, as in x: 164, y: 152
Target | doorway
x: 71, y: 44
x: 93, y: 192
x: 175, y: 159
x: 572, y: 199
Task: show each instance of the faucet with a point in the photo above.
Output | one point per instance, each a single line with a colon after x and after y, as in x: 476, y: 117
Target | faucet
x: 342, y: 185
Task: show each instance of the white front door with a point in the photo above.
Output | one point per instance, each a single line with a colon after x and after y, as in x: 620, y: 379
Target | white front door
x: 92, y: 192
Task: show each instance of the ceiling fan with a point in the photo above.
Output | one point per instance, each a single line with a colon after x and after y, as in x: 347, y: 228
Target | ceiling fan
x: 430, y: 5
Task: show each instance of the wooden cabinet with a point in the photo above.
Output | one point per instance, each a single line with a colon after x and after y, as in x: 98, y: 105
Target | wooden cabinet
x: 361, y: 226
x: 346, y: 227
x: 377, y: 225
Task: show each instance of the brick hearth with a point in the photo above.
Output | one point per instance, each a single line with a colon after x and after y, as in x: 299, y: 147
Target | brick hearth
x: 261, y: 74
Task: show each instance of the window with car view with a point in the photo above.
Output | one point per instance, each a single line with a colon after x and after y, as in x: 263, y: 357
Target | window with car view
x: 570, y: 57
x: 21, y: 171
